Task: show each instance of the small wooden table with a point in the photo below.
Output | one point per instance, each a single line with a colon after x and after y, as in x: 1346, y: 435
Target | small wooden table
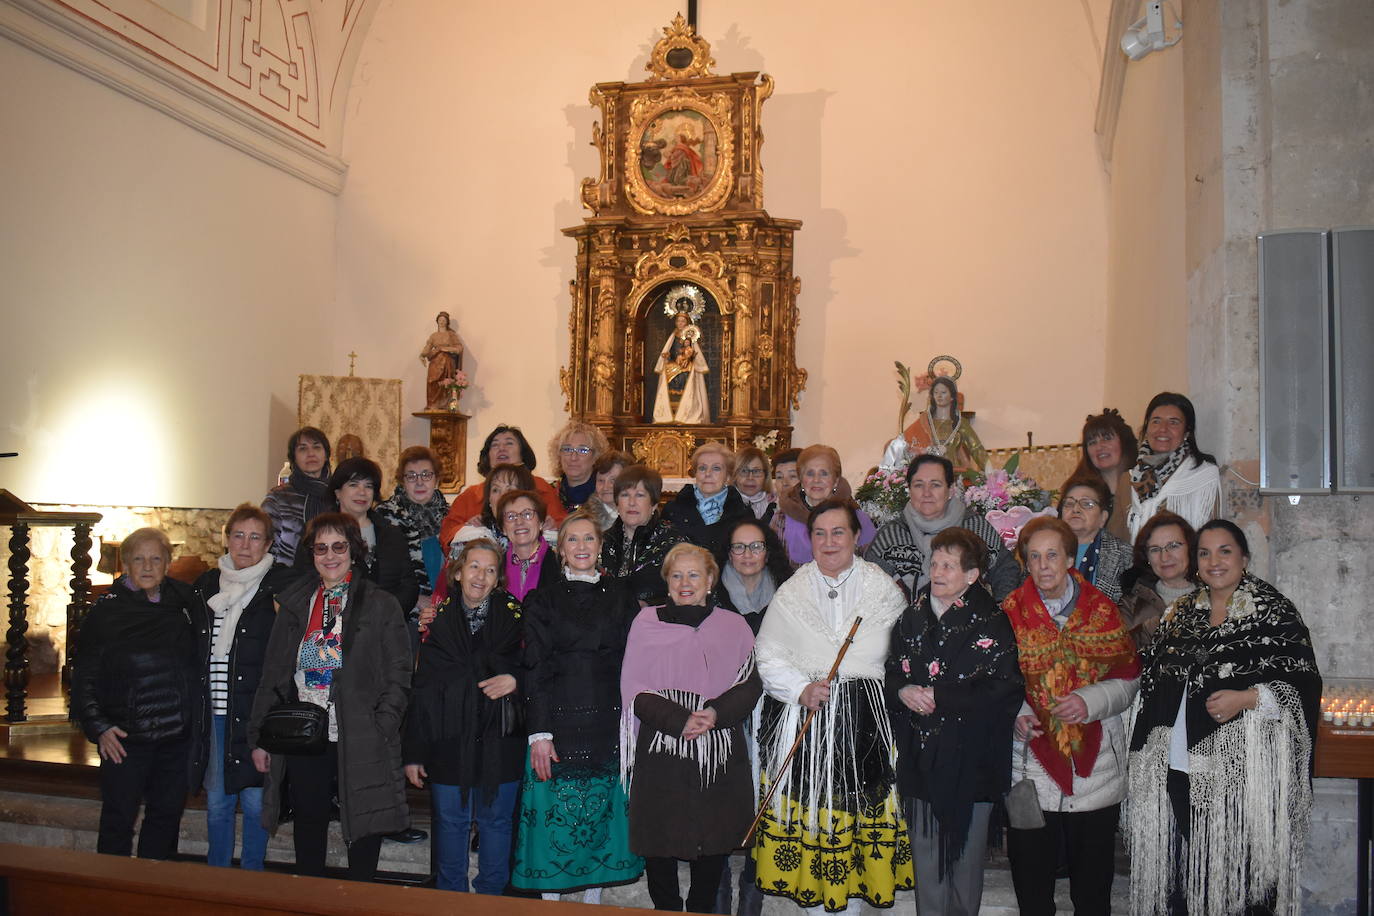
x: 1348, y: 753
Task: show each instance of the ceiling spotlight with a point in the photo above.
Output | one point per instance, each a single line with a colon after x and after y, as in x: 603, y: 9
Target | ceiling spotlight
x: 1147, y: 34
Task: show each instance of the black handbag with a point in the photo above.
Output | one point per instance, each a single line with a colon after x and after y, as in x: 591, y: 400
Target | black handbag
x: 297, y: 727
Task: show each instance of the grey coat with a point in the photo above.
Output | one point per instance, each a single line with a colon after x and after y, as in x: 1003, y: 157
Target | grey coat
x: 371, y: 691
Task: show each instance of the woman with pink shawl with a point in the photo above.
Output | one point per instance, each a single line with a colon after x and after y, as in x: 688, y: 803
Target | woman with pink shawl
x: 688, y: 687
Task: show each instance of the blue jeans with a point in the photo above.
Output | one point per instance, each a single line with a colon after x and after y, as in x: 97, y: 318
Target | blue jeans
x: 452, y: 821
x: 220, y: 808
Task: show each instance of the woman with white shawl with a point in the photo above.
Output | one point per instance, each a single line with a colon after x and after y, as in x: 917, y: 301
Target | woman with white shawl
x: 833, y: 834
x: 1170, y: 472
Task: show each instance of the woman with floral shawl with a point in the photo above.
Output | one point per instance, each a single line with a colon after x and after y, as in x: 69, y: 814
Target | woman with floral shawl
x: 1220, y: 756
x: 1081, y: 675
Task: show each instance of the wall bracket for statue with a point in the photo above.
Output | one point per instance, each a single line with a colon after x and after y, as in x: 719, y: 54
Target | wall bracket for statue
x: 677, y: 216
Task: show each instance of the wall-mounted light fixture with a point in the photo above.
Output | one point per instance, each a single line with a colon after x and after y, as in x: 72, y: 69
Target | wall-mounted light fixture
x: 1147, y: 33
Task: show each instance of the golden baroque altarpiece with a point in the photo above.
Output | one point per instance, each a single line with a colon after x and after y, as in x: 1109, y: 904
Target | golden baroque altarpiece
x: 684, y: 315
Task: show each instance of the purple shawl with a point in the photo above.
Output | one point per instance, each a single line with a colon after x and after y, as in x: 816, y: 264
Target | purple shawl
x: 514, y: 583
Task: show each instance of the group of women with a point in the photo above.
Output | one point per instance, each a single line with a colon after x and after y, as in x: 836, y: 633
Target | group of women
x: 605, y: 685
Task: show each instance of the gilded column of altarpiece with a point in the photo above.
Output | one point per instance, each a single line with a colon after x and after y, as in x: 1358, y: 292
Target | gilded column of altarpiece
x: 684, y: 282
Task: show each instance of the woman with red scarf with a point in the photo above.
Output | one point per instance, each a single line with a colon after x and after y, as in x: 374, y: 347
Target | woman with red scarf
x: 1081, y: 674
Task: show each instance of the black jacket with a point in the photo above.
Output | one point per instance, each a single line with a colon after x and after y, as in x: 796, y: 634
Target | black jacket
x: 684, y: 515
x: 388, y: 564
x: 245, y: 670
x: 777, y: 565
x: 144, y: 667
x: 451, y: 726
x: 640, y: 563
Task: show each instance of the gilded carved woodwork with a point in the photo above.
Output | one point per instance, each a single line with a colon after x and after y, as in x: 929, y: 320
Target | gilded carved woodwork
x: 678, y: 201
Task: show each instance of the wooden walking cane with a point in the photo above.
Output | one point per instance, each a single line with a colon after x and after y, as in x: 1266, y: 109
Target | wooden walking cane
x: 786, y: 761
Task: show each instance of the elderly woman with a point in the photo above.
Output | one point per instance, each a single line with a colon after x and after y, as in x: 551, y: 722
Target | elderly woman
x: 687, y: 689
x: 529, y: 561
x: 834, y: 833
x: 504, y: 445
x: 339, y: 641
x: 1081, y: 674
x: 902, y: 546
x: 461, y: 731
x: 139, y: 693
x: 602, y: 506
x: 574, y: 450
x: 1223, y: 742
x: 1101, y: 556
x: 417, y: 508
x: 752, y: 481
x: 1170, y: 472
x: 574, y: 832
x: 355, y: 483
x: 820, y: 479
x: 1108, y: 449
x: 1163, y: 572
x: 240, y: 592
x: 637, y: 543
x: 305, y: 494
x: 755, y: 566
x: 953, y: 689
x: 703, y: 509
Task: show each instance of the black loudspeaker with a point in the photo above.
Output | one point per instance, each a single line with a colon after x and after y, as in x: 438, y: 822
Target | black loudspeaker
x: 1353, y: 325
x: 1295, y: 370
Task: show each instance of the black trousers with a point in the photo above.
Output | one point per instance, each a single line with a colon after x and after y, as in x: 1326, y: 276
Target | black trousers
x: 151, y: 775
x: 1177, y: 786
x: 661, y: 875
x: 1089, y: 838
x: 311, y: 783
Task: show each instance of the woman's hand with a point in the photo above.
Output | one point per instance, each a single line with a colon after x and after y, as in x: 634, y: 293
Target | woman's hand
x: 415, y: 773
x: 110, y: 747
x: 919, y: 700
x: 1028, y: 727
x: 814, y: 695
x: 542, y: 759
x: 427, y: 611
x: 1223, y: 705
x: 699, y: 723
x: 262, y: 761
x: 497, y: 686
x: 1070, y: 709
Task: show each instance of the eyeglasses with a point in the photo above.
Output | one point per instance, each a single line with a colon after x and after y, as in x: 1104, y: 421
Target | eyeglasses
x: 525, y: 515
x: 1087, y: 505
x: 417, y: 476
x: 739, y: 550
x: 246, y: 536
x: 338, y: 547
x: 751, y: 472
x: 576, y: 450
x: 1171, y: 547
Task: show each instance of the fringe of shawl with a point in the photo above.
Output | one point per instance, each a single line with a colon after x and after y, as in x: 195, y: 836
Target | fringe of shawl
x: 1250, y: 801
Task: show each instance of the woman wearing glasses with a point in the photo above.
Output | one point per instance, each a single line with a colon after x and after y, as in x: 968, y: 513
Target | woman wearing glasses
x: 417, y: 508
x: 755, y: 566
x: 504, y: 445
x: 339, y: 641
x: 529, y: 561
x: 1102, y: 557
x: 752, y: 481
x: 1164, y: 571
x: 704, y: 508
x: 574, y: 451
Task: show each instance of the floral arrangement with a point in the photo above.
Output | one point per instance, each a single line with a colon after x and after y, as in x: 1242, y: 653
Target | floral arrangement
x: 1006, y: 498
x: 455, y: 385
x: 882, y: 495
x: 767, y: 442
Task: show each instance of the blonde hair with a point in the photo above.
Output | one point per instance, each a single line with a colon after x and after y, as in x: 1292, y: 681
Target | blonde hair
x: 685, y: 549
x: 716, y: 447
x: 581, y: 515
x: 595, y: 437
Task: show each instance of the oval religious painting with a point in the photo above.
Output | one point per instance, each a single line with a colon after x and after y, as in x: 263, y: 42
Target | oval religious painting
x: 677, y: 154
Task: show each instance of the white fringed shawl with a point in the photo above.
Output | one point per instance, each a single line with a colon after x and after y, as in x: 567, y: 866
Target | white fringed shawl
x: 1192, y: 491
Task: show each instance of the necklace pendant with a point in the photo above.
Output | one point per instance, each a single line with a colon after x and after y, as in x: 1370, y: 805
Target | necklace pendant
x: 833, y: 594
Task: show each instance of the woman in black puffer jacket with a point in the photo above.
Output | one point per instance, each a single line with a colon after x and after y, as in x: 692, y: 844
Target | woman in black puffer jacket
x: 139, y: 693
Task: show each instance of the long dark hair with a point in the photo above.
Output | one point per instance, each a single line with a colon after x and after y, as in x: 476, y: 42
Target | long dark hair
x: 1107, y: 423
x: 1185, y: 407
x: 775, y: 554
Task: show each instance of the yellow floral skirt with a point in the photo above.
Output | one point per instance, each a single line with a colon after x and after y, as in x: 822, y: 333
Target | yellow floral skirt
x: 862, y: 853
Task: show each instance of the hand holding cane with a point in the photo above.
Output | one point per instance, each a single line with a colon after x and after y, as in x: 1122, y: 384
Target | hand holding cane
x: 801, y: 733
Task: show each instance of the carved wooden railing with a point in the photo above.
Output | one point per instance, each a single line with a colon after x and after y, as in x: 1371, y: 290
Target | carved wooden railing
x: 21, y: 518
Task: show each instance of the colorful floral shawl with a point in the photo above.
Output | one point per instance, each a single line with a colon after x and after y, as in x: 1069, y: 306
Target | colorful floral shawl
x: 1093, y: 646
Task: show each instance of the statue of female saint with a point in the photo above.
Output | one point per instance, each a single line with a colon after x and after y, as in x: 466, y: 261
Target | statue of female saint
x: 940, y: 429
x: 443, y: 354
x: 682, y: 369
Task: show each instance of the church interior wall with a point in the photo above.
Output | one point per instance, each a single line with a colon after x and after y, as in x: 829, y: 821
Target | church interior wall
x: 162, y: 292
x: 949, y: 187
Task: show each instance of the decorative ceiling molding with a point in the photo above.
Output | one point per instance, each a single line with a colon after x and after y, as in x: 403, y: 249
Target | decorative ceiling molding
x: 1113, y: 82
x: 268, y: 77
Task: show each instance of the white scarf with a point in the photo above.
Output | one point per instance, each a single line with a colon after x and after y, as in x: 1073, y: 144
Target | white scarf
x: 236, y: 588
x: 1192, y: 491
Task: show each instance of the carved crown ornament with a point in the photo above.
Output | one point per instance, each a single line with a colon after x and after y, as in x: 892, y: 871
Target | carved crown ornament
x: 680, y: 53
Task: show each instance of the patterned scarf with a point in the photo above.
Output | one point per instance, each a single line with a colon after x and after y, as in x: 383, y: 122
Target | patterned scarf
x: 1152, y: 471
x: 1093, y: 646
x: 711, y: 507
x: 419, y: 521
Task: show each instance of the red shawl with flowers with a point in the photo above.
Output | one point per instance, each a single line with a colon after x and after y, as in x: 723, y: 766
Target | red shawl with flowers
x: 1093, y: 646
